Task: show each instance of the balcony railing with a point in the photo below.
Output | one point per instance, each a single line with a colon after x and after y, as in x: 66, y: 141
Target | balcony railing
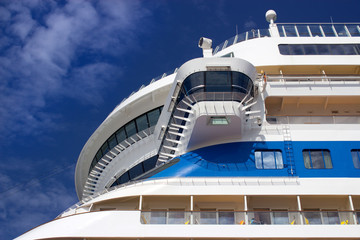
x: 225, y: 217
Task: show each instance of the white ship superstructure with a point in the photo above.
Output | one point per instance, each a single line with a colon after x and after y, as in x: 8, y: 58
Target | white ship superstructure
x: 258, y: 139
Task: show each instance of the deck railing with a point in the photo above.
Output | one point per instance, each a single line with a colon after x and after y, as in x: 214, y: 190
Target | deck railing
x: 226, y: 217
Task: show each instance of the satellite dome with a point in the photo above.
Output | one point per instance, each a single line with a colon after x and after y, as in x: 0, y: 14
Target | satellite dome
x: 270, y: 16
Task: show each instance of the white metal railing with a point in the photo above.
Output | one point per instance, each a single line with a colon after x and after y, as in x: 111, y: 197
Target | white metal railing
x: 319, y: 29
x: 313, y: 119
x: 101, y: 165
x: 254, y: 33
x: 307, y: 78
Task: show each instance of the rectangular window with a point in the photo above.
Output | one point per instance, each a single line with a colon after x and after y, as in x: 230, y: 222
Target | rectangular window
x: 268, y: 159
x: 317, y: 159
x: 153, y: 117
x: 319, y: 49
x: 112, y: 141
x: 355, y: 154
x: 136, y: 171
x: 105, y: 148
x: 130, y: 128
x: 141, y: 123
x: 120, y: 135
x: 219, y: 121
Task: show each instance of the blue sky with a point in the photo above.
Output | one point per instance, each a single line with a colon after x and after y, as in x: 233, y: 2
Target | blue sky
x: 64, y: 66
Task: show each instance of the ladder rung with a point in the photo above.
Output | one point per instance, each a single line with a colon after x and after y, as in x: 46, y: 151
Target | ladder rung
x: 177, y: 134
x: 182, y: 118
x: 250, y: 105
x: 171, y: 140
x: 185, y: 110
x: 178, y: 126
x: 252, y: 112
x: 171, y: 148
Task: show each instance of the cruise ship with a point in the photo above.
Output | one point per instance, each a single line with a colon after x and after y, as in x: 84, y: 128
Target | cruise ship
x: 257, y: 139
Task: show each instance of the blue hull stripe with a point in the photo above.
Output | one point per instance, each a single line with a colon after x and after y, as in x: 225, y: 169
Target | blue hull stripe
x: 237, y: 159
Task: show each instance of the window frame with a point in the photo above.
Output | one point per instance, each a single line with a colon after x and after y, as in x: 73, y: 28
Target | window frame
x: 309, y: 163
x: 276, y: 153
x: 355, y: 158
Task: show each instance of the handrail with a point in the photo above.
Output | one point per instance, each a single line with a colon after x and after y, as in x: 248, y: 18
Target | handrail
x: 102, y: 163
x: 313, y: 77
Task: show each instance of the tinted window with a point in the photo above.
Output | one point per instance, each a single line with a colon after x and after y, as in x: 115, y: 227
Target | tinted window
x: 141, y: 123
x: 218, y: 81
x: 136, y: 171
x: 153, y: 117
x: 112, y: 141
x: 319, y: 49
x: 317, y: 159
x: 121, y: 135
x: 130, y: 128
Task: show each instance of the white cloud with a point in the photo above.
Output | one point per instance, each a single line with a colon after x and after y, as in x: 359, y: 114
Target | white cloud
x: 27, y: 207
x: 35, y: 201
x: 249, y: 24
x: 39, y: 49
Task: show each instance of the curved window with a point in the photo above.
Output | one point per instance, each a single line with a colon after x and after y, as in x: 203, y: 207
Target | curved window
x: 137, y: 125
x: 221, y: 83
x: 136, y: 171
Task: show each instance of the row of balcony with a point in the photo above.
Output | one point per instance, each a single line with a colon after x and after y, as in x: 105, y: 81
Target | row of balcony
x: 273, y: 217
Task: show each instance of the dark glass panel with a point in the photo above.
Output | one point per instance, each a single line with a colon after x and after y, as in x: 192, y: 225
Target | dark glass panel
x: 153, y: 117
x: 218, y: 81
x: 150, y: 163
x: 240, y: 82
x: 112, y: 141
x: 136, y: 171
x: 310, y: 49
x: 120, y: 135
x: 124, y: 178
x: 130, y: 128
x: 193, y: 82
x: 99, y: 155
x: 141, y: 123
x: 284, y: 49
x: 105, y: 148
